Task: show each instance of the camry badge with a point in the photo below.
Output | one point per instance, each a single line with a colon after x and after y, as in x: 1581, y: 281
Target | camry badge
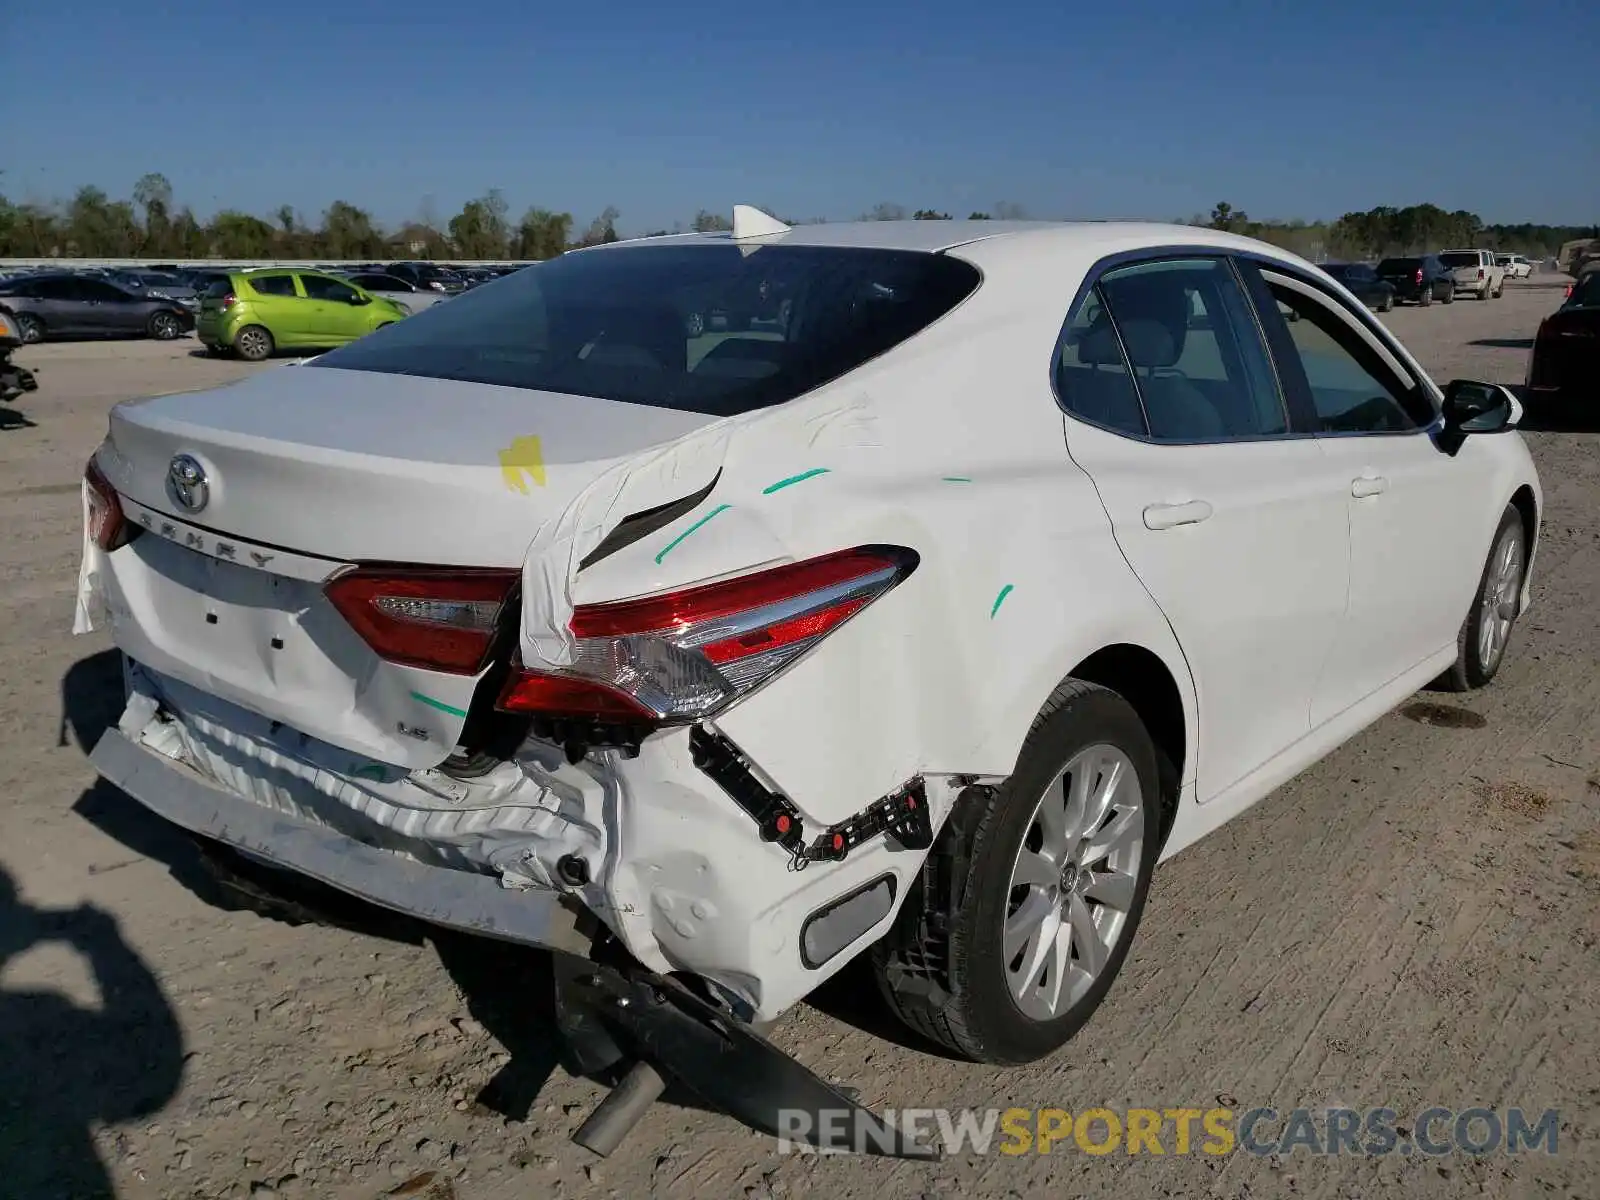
x: 190, y: 487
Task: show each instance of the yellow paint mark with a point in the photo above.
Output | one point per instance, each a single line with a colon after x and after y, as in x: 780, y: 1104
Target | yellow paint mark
x: 521, y: 461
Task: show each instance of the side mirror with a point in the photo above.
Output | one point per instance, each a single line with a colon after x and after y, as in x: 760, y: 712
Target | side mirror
x: 1472, y: 407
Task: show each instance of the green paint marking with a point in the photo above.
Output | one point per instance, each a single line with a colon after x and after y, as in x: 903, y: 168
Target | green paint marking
x: 999, y: 600
x: 957, y: 479
x: 439, y: 704
x: 670, y: 546
x: 800, y: 478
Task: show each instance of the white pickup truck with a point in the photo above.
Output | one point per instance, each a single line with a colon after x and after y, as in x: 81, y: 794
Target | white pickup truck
x: 1475, y: 272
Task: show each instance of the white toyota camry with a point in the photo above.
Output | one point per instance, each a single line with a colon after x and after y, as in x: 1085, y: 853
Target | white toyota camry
x: 719, y: 608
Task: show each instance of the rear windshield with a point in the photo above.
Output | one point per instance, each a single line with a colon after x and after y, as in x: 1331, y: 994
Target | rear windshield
x: 1460, y: 258
x: 1398, y: 264
x: 718, y: 329
x: 218, y: 288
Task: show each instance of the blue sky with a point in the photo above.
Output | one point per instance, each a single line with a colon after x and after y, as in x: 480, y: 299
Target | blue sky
x: 1149, y: 108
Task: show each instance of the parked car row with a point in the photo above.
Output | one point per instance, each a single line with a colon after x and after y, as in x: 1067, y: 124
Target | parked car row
x: 96, y: 304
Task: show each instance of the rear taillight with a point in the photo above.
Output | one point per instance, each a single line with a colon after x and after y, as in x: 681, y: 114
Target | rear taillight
x: 1419, y: 274
x: 107, y: 527
x: 1570, y: 288
x: 439, y: 618
x: 229, y: 300
x: 685, y: 655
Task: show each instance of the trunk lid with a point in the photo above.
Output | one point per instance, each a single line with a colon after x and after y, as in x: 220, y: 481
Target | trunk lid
x: 355, y: 465
x: 310, y: 464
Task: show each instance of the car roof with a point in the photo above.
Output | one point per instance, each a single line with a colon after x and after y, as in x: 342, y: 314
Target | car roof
x: 947, y: 235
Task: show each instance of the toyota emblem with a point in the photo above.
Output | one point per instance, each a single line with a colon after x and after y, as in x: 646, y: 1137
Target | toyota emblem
x: 190, y: 488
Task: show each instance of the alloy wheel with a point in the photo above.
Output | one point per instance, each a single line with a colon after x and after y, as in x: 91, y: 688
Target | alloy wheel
x: 1074, y: 881
x: 1500, y: 596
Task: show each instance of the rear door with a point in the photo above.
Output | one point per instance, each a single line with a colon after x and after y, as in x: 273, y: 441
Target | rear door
x: 1416, y: 517
x: 64, y: 305
x: 1230, y: 520
x: 281, y: 308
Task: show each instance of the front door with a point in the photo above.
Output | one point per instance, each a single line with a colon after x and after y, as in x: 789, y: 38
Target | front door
x: 1231, y: 523
x: 1416, y: 518
x: 338, y: 311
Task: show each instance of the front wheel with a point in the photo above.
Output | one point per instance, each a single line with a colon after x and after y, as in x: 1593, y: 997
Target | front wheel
x: 1030, y: 899
x: 1387, y: 304
x: 164, y: 327
x: 253, y: 343
x: 1481, y: 643
x: 29, y: 328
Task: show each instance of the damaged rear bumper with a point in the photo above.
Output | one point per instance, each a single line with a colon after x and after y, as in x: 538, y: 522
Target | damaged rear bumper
x: 629, y: 1011
x: 463, y: 900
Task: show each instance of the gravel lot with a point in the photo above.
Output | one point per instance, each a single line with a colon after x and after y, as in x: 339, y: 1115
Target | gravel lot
x: 1414, y: 921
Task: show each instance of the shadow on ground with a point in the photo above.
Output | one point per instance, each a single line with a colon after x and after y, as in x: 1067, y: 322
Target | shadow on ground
x: 1525, y: 343
x: 10, y: 418
x: 65, y: 1069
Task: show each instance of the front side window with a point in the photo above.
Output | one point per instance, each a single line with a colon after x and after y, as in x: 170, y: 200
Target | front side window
x: 321, y: 287
x: 1189, y: 338
x: 681, y: 327
x: 1352, y: 386
x: 273, y: 285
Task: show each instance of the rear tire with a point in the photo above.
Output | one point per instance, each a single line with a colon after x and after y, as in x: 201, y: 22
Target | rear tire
x: 1426, y: 298
x: 253, y: 344
x: 1031, y: 897
x: 1481, y: 644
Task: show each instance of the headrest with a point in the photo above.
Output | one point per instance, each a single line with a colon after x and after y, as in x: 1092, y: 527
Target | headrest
x: 1149, y: 343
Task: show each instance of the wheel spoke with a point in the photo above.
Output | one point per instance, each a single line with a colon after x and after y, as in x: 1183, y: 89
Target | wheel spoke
x: 1023, y: 925
x: 1037, y: 947
x: 1033, y: 869
x: 1114, y: 889
x: 1122, y: 830
x: 1055, y: 818
x: 1060, y: 963
x: 1092, y: 952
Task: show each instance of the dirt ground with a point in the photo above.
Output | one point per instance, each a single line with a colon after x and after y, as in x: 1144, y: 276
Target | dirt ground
x: 1414, y: 921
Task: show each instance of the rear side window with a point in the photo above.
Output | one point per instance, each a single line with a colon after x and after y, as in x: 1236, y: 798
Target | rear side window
x: 718, y: 329
x: 273, y: 285
x: 1188, y: 335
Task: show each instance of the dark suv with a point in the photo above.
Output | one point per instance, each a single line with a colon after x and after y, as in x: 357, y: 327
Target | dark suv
x: 427, y: 276
x: 1421, y: 278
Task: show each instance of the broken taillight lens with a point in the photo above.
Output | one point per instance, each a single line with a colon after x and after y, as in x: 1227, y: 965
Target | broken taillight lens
x: 107, y: 527
x: 686, y: 654
x: 441, y: 619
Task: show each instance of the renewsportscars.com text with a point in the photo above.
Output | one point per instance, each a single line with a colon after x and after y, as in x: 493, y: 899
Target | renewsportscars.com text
x: 1433, y: 1131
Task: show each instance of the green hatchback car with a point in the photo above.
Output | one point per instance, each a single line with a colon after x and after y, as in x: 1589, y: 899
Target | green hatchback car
x: 254, y: 313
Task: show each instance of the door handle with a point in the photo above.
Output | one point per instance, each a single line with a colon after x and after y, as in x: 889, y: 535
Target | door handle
x: 1166, y: 516
x: 1368, y: 485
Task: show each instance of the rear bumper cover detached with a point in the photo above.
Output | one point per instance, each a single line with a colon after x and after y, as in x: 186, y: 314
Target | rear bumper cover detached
x: 478, y: 904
